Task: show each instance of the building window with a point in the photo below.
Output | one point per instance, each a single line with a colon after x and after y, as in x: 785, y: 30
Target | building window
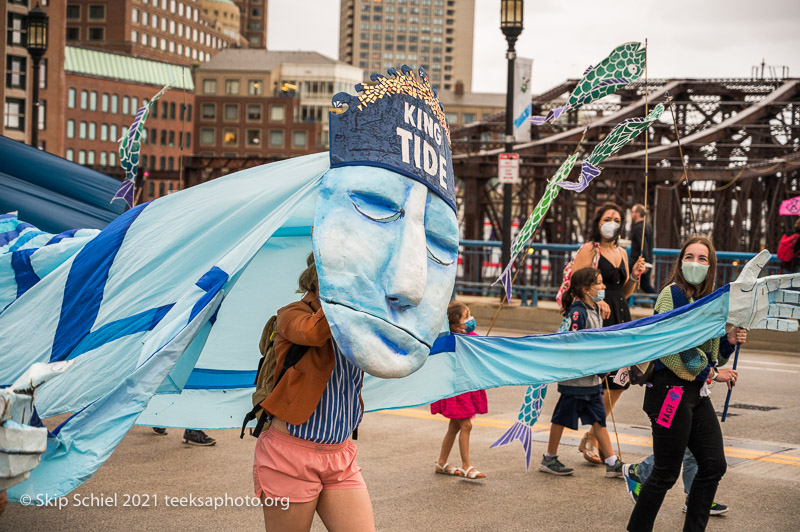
x: 232, y: 111
x: 208, y: 111
x: 171, y: 139
x: 73, y: 34
x: 113, y: 133
x: 189, y: 113
x: 42, y: 114
x: 96, y: 34
x: 16, y: 29
x: 172, y: 111
x: 163, y: 137
x: 15, y: 114
x: 170, y: 165
x: 299, y: 139
x: 97, y: 12
x: 104, y: 103
x: 188, y: 139
x: 82, y: 130
x: 93, y: 101
x: 82, y: 157
x: 15, y: 73
x: 162, y: 165
x: 232, y: 86
x: 207, y: 136
x: 70, y: 154
x: 209, y: 86
x: 276, y: 139
x: 71, y: 98
x: 103, y: 158
x: 254, y: 112
x: 230, y: 137
x: 164, y: 110
x: 90, y: 159
x: 73, y: 12
x: 112, y: 158
x: 469, y: 118
x: 277, y: 113
x: 104, y: 132
x: 254, y: 87
x: 114, y: 103
x: 254, y: 137
x: 70, y: 129
x: 126, y: 105
x: 135, y: 15
x: 92, y: 131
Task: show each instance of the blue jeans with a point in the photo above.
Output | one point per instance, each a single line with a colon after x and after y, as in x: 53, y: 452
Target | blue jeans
x: 689, y: 469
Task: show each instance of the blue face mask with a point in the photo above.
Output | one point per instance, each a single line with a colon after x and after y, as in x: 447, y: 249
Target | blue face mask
x: 470, y: 325
x: 601, y: 295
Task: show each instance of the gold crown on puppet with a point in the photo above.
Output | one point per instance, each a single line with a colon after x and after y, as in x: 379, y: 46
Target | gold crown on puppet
x: 396, y: 123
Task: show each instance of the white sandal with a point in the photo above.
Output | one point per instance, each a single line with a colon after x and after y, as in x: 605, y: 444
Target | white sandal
x: 447, y: 469
x: 471, y: 473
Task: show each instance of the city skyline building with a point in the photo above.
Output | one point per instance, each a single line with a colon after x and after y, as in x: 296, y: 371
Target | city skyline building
x: 17, y: 87
x: 174, y: 31
x: 436, y: 35
x: 253, y: 21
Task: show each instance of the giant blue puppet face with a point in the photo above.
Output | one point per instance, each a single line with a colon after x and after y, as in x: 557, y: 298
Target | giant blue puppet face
x: 386, y: 249
x: 385, y: 230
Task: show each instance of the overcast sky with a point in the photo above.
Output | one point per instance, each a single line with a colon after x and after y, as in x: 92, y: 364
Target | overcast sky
x: 697, y: 38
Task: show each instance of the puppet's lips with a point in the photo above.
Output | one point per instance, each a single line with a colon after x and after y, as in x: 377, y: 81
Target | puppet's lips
x: 384, y: 320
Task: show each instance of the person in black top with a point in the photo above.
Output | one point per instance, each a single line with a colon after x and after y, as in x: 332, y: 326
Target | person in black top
x: 603, y: 236
x: 640, y: 223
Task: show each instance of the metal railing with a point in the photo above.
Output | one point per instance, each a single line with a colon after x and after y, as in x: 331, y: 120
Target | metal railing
x: 479, y: 266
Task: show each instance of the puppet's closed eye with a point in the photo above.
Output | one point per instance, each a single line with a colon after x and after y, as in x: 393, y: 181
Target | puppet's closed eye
x: 376, y: 208
x: 441, y: 250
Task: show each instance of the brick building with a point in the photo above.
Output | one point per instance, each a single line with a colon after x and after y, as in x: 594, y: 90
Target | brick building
x: 253, y: 21
x: 262, y: 103
x: 17, y: 87
x: 103, y: 92
x: 174, y: 31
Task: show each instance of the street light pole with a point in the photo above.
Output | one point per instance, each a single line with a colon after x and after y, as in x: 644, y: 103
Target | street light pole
x: 511, y: 26
x: 36, y: 24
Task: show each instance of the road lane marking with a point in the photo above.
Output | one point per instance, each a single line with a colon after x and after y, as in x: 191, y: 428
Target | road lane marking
x: 742, y: 366
x: 629, y: 439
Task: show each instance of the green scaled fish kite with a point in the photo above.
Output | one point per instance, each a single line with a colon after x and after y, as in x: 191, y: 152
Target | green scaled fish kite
x: 536, y: 217
x: 625, y: 64
x: 623, y: 133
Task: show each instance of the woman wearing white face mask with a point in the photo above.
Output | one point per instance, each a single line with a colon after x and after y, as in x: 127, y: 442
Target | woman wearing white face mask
x: 601, y: 249
x: 680, y: 410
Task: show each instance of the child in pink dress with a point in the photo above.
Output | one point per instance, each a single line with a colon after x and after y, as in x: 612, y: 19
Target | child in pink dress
x: 461, y: 408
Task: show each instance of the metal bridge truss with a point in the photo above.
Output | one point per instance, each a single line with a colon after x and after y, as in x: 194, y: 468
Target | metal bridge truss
x: 741, y: 145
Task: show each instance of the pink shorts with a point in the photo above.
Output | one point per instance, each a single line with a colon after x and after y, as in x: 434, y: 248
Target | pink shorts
x: 286, y: 466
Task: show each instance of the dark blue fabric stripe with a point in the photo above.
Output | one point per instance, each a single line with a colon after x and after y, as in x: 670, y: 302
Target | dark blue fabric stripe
x: 144, y: 321
x: 61, y: 236
x: 24, y: 239
x: 86, y: 282
x: 23, y: 270
x: 444, y: 344
x: 10, y: 236
x: 212, y: 281
x: 216, y: 379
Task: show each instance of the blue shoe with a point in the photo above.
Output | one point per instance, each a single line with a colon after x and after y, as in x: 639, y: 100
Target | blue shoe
x: 633, y: 483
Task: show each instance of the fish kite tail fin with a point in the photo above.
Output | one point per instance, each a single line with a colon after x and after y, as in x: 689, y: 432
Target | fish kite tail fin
x: 523, y: 433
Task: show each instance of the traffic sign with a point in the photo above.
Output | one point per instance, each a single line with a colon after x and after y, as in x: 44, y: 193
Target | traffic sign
x: 508, y: 168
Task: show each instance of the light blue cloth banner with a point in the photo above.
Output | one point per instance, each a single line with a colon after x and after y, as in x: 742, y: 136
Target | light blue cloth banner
x: 136, y: 305
x: 170, y: 300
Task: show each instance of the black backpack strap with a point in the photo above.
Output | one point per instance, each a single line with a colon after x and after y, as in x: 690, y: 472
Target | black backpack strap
x: 250, y: 416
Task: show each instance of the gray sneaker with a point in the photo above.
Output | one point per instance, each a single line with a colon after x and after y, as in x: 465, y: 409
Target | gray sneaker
x: 554, y: 467
x: 614, y: 471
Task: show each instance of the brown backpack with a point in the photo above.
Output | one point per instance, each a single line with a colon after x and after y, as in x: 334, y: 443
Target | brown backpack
x: 265, y: 376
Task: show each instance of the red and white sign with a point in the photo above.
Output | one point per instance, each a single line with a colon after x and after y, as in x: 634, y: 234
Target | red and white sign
x: 508, y: 168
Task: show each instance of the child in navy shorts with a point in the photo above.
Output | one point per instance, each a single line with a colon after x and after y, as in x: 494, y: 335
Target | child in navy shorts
x: 582, y: 398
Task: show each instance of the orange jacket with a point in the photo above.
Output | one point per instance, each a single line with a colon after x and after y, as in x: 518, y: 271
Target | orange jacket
x: 297, y: 394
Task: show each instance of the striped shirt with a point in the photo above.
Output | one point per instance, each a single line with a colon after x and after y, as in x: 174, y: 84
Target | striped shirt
x: 339, y: 411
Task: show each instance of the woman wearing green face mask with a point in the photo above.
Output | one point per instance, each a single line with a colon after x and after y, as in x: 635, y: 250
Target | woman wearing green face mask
x: 678, y: 403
